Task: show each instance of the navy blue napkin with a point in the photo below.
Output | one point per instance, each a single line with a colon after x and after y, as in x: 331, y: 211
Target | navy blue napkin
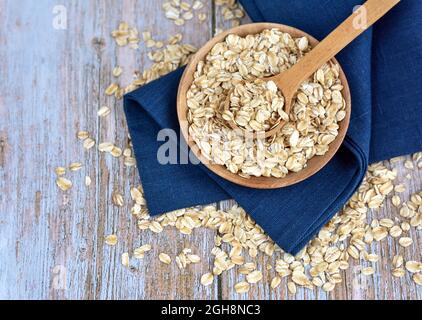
x: 383, y: 67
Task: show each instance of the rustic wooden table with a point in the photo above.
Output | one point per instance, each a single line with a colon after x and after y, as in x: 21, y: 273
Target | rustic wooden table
x: 52, y: 243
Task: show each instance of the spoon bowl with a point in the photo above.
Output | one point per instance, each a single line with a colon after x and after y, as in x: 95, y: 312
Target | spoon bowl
x: 313, y: 165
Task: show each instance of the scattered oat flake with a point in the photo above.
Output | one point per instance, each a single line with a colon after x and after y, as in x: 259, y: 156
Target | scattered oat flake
x: 105, y: 147
x: 146, y: 35
x: 207, y: 279
x: 185, y: 6
x: 117, y: 199
x: 396, y: 200
x: 111, y: 240
x: 408, y: 165
x: 127, y: 152
x: 179, y: 22
x: 143, y: 224
x: 254, y: 276
x: 75, y: 166
x: 112, y: 88
x: 60, y: 171
x: 197, y: 5
x: 194, y: 258
x: 368, y: 271
x: 413, y: 266
x: 400, y: 188
x: 155, y: 227
x: 417, y: 277
x: 275, y: 282
x: 396, y: 159
x: 164, y: 258
x: 300, y: 279
x: 187, y: 15
x: 291, y: 287
x: 372, y: 257
x: 82, y: 135
x: 328, y: 286
x: 117, y: 71
x: 89, y: 143
x: 242, y: 287
x: 63, y: 183
x: 139, y: 253
x: 395, y: 231
x: 125, y: 259
x: 116, y: 152
x: 145, y: 248
x: 405, y: 226
x: 399, y: 272
x: 87, y: 181
x: 150, y: 43
x: 104, y: 111
x: 405, y: 241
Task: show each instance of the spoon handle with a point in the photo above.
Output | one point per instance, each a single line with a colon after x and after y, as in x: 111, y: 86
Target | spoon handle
x: 340, y: 37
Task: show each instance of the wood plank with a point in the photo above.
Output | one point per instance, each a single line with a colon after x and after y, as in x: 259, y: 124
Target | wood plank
x: 52, y: 91
x: 45, y: 75
x: 150, y: 279
x: 354, y: 286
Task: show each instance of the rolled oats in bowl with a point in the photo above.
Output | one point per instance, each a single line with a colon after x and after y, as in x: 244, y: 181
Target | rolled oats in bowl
x: 236, y: 67
x: 256, y: 106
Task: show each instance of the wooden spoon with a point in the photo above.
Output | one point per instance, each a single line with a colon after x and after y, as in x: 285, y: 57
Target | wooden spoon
x: 289, y: 81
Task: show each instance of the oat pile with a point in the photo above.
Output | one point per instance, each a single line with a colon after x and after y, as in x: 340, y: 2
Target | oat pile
x: 349, y: 235
x: 256, y: 106
x: 239, y: 241
x: 233, y: 65
x: 180, y: 11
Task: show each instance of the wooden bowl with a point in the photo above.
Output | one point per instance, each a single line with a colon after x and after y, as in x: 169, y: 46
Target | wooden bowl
x: 313, y: 165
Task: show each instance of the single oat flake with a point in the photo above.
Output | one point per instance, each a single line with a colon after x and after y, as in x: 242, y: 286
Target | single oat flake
x: 82, y: 135
x: 164, y: 258
x: 125, y: 259
x: 104, y: 111
x: 60, y: 171
x: 117, y: 71
x: 75, y: 166
x: 111, y: 240
x: 254, y: 276
x: 117, y: 199
x: 89, y: 143
x: 242, y: 287
x: 207, y: 279
x: 63, y: 183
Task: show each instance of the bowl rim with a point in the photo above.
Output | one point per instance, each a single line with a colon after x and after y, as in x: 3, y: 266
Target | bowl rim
x: 314, y: 165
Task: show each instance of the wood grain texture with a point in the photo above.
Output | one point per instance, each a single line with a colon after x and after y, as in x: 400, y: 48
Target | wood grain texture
x: 53, y: 85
